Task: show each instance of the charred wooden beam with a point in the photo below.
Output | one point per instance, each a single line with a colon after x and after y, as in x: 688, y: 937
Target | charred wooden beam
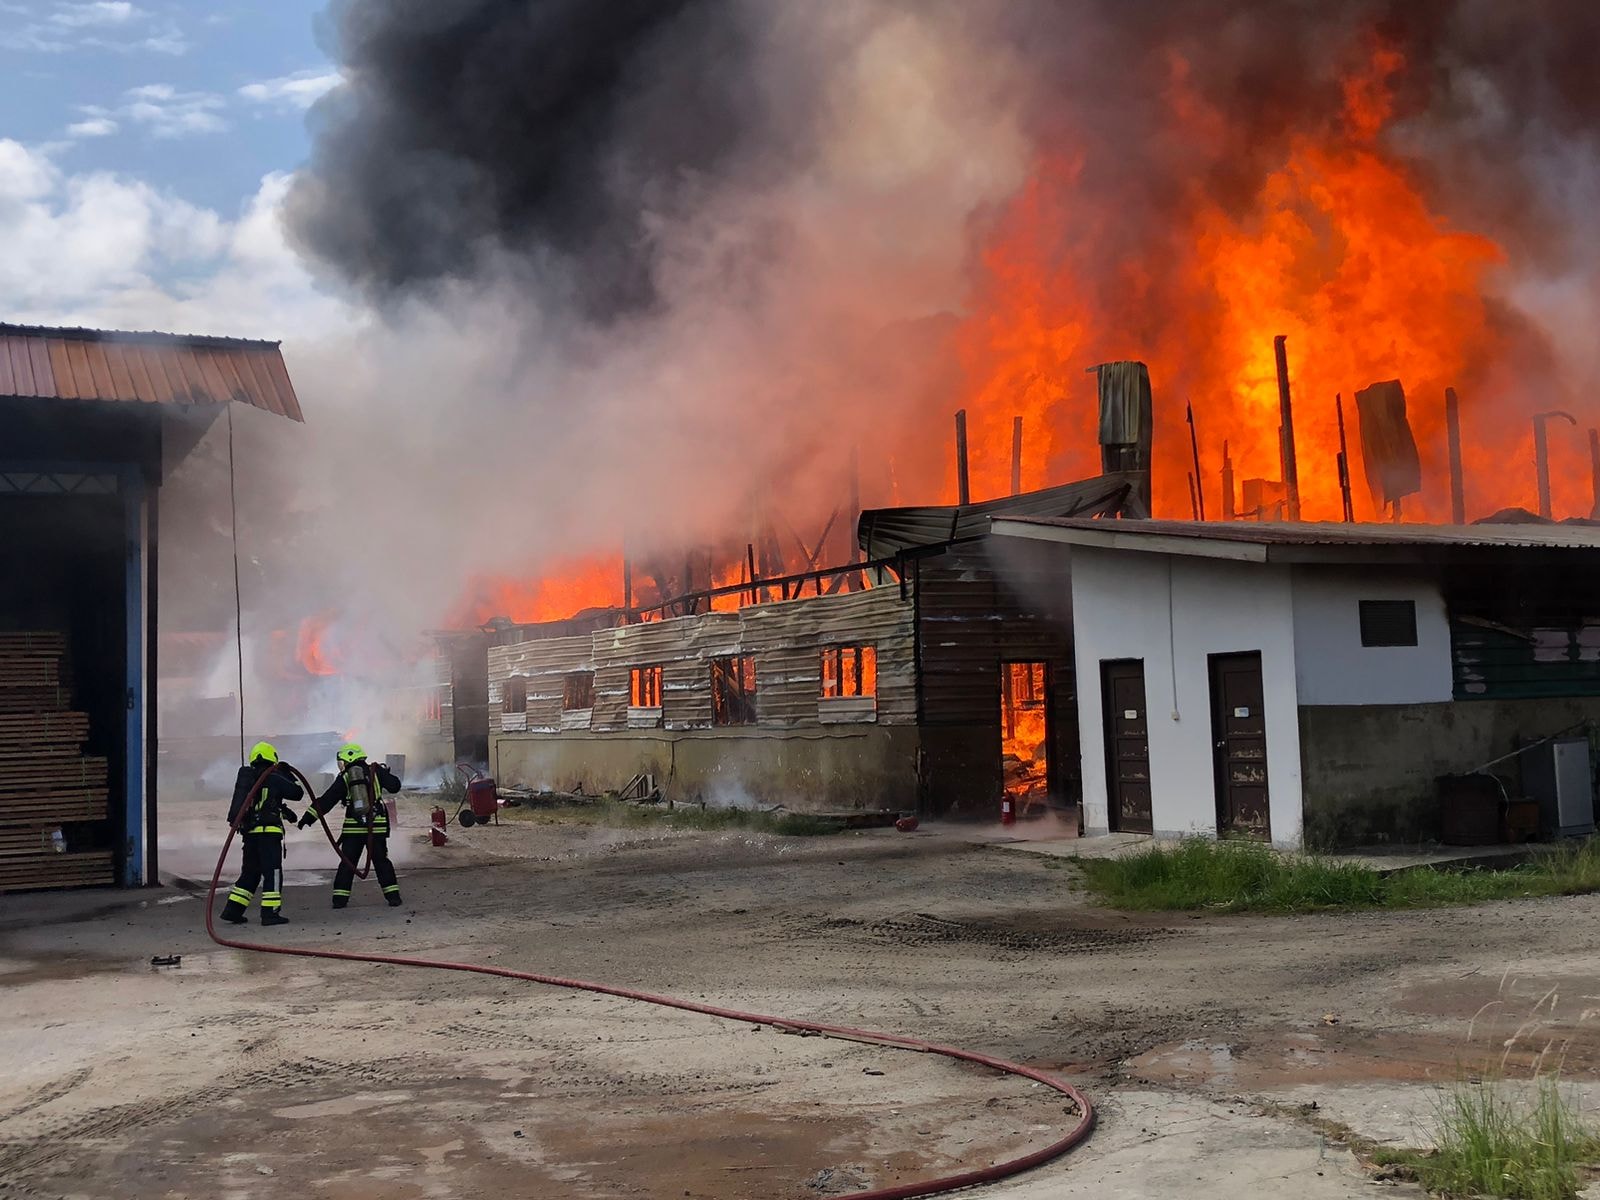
x: 1197, y: 480
x: 1345, y: 504
x: 1291, y: 472
x: 963, y: 486
x: 1594, y: 473
x: 1452, y: 426
x: 1228, y: 512
x: 1016, y: 456
x: 1541, y: 455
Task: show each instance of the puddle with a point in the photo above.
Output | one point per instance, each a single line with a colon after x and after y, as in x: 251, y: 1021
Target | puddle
x: 344, y: 1106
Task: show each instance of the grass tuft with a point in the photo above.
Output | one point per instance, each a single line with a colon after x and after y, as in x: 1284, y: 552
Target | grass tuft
x: 1490, y: 1142
x: 1198, y: 873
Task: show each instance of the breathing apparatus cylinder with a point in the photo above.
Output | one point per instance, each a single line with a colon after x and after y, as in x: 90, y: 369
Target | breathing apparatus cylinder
x: 359, y: 792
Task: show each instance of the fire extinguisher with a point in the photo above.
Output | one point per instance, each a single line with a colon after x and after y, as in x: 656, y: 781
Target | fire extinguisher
x: 1008, y: 814
x: 436, y: 833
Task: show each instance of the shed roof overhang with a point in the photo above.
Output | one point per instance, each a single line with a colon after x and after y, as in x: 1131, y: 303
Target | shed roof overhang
x: 1253, y: 542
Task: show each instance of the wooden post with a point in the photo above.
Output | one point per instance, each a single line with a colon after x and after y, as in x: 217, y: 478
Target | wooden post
x: 1344, y: 462
x: 1541, y: 456
x: 963, y: 487
x: 1594, y: 472
x: 1452, y: 426
x: 1016, y: 456
x: 1228, y: 512
x: 1291, y: 473
x: 627, y: 576
x: 1194, y: 504
x: 1197, y: 480
x: 750, y: 563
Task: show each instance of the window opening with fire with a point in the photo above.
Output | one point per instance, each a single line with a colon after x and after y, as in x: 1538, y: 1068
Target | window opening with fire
x: 849, y: 671
x: 516, y: 697
x: 733, y: 690
x: 577, y: 691
x: 1024, y: 741
x: 433, y: 704
x: 644, y: 687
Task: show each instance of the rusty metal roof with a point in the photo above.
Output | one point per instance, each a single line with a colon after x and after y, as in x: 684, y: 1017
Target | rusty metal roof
x: 883, y: 532
x: 1299, y: 541
x: 153, y: 368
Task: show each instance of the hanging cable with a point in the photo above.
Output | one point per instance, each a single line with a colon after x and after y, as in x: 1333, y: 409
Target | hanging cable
x: 238, y: 600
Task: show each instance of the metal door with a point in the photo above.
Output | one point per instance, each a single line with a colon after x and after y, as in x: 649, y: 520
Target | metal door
x: 1239, y: 734
x: 1127, y: 735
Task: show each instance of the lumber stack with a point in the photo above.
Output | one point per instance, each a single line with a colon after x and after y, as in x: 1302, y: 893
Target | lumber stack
x: 51, y: 793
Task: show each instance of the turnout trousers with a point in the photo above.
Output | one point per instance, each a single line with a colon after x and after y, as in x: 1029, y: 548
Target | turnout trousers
x: 353, y: 846
x: 262, y: 868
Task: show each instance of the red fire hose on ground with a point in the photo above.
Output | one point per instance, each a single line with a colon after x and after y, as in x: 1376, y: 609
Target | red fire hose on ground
x: 929, y: 1187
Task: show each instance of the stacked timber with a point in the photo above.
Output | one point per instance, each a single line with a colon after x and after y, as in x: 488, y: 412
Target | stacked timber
x: 49, y: 789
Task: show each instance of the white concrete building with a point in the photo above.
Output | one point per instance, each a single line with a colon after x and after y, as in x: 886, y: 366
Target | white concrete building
x: 1262, y: 679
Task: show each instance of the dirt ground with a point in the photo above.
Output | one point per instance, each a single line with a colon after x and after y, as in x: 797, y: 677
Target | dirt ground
x: 1215, y: 1048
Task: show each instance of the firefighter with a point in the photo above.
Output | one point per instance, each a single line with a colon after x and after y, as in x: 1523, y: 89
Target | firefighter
x: 266, y: 810
x: 366, y: 821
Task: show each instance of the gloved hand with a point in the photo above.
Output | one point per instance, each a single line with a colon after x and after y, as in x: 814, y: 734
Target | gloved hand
x: 309, y: 819
x: 286, y: 812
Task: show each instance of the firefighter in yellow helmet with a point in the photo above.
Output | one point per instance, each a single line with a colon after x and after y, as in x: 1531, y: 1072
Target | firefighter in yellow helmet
x: 358, y: 787
x: 266, y: 811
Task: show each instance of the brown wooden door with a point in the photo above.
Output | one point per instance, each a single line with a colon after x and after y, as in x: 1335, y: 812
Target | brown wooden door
x: 1239, y: 734
x: 1127, y: 746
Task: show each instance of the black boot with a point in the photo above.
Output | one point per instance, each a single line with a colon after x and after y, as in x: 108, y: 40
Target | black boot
x: 340, y: 901
x: 393, y: 898
x: 273, y: 917
x: 233, y: 913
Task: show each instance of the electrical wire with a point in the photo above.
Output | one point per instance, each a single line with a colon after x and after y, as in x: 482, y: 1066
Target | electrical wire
x: 238, y: 598
x: 929, y: 1187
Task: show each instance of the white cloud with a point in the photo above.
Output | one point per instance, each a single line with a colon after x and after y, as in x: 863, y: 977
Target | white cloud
x: 109, y: 251
x: 96, y: 25
x: 92, y: 127
x: 102, y: 12
x: 169, y: 113
x: 298, y: 91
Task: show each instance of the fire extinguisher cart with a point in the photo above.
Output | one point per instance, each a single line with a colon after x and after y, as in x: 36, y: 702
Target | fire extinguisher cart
x: 481, y: 804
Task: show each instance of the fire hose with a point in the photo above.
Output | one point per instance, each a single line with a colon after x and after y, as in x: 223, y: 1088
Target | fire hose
x: 930, y: 1187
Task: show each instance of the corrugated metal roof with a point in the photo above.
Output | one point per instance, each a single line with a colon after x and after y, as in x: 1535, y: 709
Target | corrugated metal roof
x: 153, y: 368
x: 1266, y: 541
x: 884, y: 532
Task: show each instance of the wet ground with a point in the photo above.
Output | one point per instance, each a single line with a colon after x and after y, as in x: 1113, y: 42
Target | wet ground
x: 1205, y: 1041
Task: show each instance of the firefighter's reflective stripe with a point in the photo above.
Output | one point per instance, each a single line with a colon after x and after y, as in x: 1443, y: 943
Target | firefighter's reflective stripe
x: 351, y: 829
x: 239, y: 896
x: 393, y: 887
x: 271, y: 899
x: 277, y: 829
x: 341, y: 891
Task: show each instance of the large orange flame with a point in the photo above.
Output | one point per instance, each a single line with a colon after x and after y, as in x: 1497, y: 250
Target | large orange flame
x: 1337, y: 249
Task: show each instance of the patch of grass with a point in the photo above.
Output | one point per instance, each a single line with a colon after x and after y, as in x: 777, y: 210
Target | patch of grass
x: 1199, y: 873
x: 1488, y: 1141
x: 622, y: 814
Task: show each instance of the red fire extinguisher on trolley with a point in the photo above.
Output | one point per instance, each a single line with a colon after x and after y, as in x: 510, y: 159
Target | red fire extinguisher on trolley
x: 1008, y: 813
x: 436, y: 827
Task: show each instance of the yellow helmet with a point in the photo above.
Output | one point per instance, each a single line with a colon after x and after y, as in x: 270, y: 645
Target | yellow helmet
x: 264, y: 750
x: 350, y: 752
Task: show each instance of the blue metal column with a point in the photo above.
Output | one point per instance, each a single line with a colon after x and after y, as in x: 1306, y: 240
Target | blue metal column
x: 133, y: 769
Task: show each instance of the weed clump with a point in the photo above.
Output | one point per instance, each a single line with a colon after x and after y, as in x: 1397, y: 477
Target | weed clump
x: 1488, y: 1141
x: 1198, y: 873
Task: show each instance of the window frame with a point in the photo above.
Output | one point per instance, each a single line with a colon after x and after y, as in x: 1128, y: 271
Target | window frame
x: 833, y: 681
x: 1376, y: 621
x: 638, y: 690
x: 514, y: 696
x: 567, y: 682
x: 735, y: 707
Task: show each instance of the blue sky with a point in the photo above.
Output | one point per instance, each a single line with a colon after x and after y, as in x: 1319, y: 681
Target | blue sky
x: 168, y: 76
x: 146, y: 147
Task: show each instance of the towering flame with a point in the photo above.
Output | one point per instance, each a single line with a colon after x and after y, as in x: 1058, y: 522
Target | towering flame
x: 1337, y: 249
